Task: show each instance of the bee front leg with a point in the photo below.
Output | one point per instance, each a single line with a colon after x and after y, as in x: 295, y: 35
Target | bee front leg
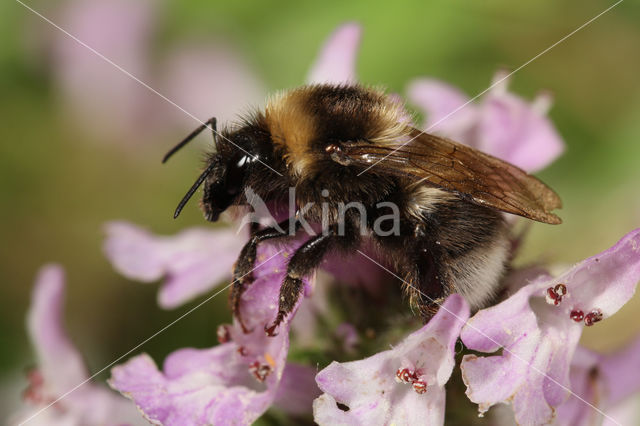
x: 243, y: 270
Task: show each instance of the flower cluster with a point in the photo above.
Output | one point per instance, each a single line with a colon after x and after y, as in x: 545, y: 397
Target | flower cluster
x: 234, y: 382
x: 526, y: 349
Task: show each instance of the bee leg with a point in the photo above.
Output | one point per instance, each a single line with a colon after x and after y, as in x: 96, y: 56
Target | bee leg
x: 242, y: 271
x: 303, y: 262
x: 427, y: 282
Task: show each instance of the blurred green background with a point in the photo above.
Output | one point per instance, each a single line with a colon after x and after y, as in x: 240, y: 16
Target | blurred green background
x: 75, y: 155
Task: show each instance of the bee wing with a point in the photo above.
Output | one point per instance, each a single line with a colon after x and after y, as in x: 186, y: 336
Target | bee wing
x: 473, y: 175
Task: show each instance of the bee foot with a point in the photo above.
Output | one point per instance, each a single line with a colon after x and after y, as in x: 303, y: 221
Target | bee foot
x: 271, y: 330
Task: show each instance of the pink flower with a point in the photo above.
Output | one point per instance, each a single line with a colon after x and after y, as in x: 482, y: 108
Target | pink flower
x: 99, y: 95
x: 193, y: 261
x: 336, y: 62
x: 539, y: 328
x: 204, y: 80
x: 502, y: 124
x: 605, y: 381
x: 404, y: 385
x: 233, y: 383
x: 210, y: 79
x: 61, y: 369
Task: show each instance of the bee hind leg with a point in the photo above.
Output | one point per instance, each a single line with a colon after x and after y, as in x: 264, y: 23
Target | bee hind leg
x: 427, y: 281
x: 243, y: 269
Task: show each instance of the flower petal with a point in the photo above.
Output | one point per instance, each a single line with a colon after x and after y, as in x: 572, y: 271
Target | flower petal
x: 366, y: 391
x: 605, y: 281
x: 193, y: 261
x: 513, y: 130
x: 192, y: 394
x: 297, y: 389
x: 336, y: 62
x: 622, y: 372
x: 210, y: 80
x: 102, y: 98
x: 61, y: 374
x: 444, y: 108
x: 502, y: 124
x: 529, y: 359
x: 60, y: 362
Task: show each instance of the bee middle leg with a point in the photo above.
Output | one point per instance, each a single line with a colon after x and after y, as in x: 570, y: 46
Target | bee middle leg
x: 242, y: 272
x: 303, y: 262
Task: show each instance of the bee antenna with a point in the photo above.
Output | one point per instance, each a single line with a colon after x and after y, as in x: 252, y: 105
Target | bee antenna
x: 193, y: 189
x: 210, y: 122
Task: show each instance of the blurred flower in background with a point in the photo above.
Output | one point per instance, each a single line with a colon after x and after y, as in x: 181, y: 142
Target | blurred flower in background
x: 99, y: 96
x: 608, y: 381
x: 203, y: 79
x: 210, y: 80
x: 502, y: 124
x: 60, y: 369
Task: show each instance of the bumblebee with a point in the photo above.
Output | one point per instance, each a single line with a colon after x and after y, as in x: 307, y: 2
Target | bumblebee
x: 341, y: 144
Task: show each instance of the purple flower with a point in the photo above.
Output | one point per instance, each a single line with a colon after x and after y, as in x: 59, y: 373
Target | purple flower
x: 605, y: 381
x: 232, y: 383
x: 204, y: 79
x: 61, y: 368
x: 210, y: 80
x: 348, y: 336
x: 98, y: 94
x: 539, y: 328
x: 502, y: 124
x: 404, y: 385
x: 193, y: 261
x: 336, y: 62
x: 355, y: 269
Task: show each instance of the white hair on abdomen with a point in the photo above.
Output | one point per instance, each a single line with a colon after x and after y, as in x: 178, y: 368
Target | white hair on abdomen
x: 477, y: 274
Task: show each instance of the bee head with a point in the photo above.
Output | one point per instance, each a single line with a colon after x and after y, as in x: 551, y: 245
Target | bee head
x: 236, y: 154
x: 225, y: 182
